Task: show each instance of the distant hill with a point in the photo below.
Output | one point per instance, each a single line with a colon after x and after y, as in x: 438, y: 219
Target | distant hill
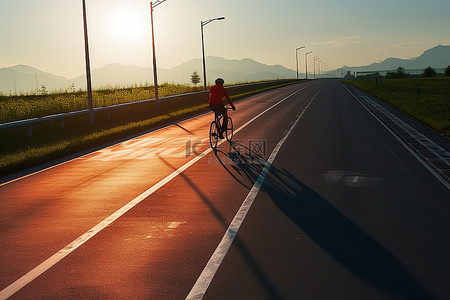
x: 29, y: 79
x: 437, y: 57
x: 22, y: 78
x: 231, y: 70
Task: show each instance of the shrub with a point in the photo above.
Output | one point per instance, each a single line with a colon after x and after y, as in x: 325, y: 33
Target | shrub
x: 429, y: 72
x: 447, y: 71
x: 395, y: 75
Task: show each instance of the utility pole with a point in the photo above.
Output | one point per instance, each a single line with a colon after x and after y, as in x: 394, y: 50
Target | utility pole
x: 155, y: 70
x: 88, y: 66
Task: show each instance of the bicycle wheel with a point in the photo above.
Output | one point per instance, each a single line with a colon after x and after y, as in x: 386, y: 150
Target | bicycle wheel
x: 213, y: 134
x: 229, y: 131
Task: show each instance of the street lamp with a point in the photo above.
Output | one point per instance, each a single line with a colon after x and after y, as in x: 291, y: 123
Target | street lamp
x: 88, y: 67
x: 306, y: 63
x: 315, y: 58
x: 320, y: 68
x: 296, y: 57
x: 155, y: 73
x: 203, y: 23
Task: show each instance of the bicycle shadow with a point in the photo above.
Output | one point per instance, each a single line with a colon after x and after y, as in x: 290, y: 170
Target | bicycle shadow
x: 336, y: 234
x: 243, y: 164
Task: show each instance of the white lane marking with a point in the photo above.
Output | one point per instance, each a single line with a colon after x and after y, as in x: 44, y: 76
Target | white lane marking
x: 355, y: 179
x: 205, y: 278
x: 55, y: 258
x: 435, y: 173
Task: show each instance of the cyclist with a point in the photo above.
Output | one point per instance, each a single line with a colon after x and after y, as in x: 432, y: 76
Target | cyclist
x: 216, y: 94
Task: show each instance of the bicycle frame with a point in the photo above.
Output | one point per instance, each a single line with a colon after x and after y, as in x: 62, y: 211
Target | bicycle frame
x: 216, y: 126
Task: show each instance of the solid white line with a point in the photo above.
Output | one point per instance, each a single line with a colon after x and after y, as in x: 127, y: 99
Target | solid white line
x: 205, y: 278
x: 55, y: 258
x: 435, y: 173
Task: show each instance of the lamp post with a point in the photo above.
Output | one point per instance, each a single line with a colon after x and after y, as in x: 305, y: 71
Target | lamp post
x: 314, y: 64
x: 88, y: 67
x: 155, y: 72
x: 306, y: 63
x: 296, y: 57
x: 320, y: 69
x: 203, y: 23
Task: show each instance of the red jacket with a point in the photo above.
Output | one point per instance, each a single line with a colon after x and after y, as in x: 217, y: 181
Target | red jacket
x: 216, y: 94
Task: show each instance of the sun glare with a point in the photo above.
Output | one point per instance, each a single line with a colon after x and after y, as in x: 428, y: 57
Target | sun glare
x: 126, y: 24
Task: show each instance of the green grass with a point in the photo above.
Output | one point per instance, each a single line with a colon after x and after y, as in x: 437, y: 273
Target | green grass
x: 432, y: 107
x: 49, y: 142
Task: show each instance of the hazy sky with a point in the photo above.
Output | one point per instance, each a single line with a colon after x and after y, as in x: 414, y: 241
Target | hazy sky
x: 48, y: 34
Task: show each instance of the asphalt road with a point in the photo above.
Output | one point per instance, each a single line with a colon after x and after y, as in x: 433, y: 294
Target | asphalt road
x: 334, y: 207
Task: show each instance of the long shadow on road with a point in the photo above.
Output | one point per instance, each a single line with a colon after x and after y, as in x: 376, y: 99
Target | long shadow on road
x: 342, y: 239
x: 265, y: 282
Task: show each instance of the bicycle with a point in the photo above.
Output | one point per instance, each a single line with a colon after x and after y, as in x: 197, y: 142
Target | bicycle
x: 216, y: 125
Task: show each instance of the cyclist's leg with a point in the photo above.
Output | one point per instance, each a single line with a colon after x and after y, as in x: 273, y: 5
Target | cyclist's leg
x: 220, y: 109
x: 224, y: 113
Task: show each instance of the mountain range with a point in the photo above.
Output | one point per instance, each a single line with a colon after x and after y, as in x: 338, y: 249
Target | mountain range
x: 22, y: 79
x: 25, y: 79
x: 437, y: 57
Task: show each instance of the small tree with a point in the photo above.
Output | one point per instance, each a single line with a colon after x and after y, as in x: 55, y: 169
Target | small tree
x: 429, y: 72
x: 401, y: 72
x: 195, y: 78
x: 395, y: 75
x: 447, y: 71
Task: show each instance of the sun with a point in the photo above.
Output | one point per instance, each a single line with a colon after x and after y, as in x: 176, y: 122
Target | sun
x: 126, y: 24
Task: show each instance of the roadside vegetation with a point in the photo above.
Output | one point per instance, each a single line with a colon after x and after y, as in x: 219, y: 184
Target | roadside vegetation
x: 52, y: 141
x: 13, y: 108
x: 426, y: 99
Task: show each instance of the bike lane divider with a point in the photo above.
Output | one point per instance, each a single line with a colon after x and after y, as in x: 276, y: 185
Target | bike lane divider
x: 205, y: 278
x: 58, y: 256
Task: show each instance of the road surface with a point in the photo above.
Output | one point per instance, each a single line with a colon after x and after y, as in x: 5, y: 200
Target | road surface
x: 315, y: 198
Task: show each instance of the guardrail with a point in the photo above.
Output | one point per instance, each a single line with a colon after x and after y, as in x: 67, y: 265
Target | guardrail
x: 62, y: 116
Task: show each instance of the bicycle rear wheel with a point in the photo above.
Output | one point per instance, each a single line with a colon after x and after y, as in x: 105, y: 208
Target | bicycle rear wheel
x: 213, y: 134
x: 229, y: 132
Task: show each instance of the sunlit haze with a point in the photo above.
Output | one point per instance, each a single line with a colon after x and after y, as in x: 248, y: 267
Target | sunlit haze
x: 48, y: 34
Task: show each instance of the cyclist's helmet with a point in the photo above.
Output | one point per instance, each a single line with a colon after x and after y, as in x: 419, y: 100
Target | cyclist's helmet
x: 220, y: 81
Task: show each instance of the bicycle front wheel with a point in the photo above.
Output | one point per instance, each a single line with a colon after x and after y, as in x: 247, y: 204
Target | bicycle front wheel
x: 213, y: 134
x: 229, y: 131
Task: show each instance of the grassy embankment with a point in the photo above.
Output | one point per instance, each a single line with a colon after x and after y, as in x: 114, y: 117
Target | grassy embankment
x: 49, y: 141
x: 431, y: 106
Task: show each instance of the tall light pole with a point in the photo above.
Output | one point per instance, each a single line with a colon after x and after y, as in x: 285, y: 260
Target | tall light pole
x: 306, y: 63
x: 88, y: 66
x: 155, y: 72
x: 315, y: 58
x: 296, y: 57
x: 203, y: 23
x: 320, y: 69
